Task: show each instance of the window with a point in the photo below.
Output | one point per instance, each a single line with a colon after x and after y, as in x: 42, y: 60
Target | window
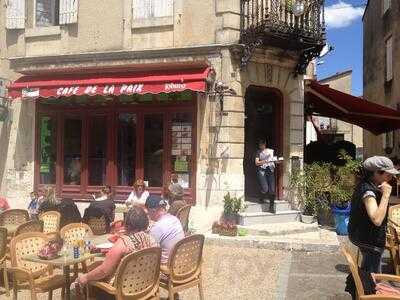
x: 47, y: 13
x: 386, y: 5
x: 72, y: 151
x: 181, y: 149
x: 144, y: 9
x: 389, y: 59
x: 97, y: 159
x: 126, y: 149
x: 47, y: 149
x: 153, y: 149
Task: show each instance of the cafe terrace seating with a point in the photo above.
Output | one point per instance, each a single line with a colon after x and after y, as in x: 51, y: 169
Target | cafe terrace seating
x: 98, y: 225
x: 35, y: 277
x: 357, y: 280
x: 137, y: 276
x: 183, y: 270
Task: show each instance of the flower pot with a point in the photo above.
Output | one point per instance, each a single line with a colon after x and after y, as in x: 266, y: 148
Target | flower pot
x: 341, y: 216
x: 231, y: 218
x: 307, y: 219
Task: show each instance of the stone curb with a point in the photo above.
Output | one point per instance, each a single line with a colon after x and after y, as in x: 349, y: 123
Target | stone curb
x: 254, y: 242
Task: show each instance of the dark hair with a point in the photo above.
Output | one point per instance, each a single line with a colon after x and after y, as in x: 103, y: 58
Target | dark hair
x: 35, y: 194
x: 136, y: 219
x: 262, y: 141
x: 366, y: 174
x: 106, y: 190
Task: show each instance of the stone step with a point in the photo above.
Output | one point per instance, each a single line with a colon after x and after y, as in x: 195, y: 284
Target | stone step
x: 276, y: 229
x: 268, y: 218
x: 280, y: 205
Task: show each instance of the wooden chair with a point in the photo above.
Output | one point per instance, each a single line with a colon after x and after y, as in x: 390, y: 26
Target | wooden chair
x: 183, y: 270
x: 51, y: 222
x: 183, y: 216
x: 3, y: 258
x: 36, y: 277
x: 97, y: 225
x: 30, y: 226
x: 14, y: 217
x: 137, y: 276
x: 357, y: 280
x: 394, y: 213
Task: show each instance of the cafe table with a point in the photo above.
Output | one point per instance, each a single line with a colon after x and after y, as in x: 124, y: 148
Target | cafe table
x: 65, y: 262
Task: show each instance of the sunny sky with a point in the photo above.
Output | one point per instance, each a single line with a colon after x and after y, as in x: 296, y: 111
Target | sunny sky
x: 345, y: 34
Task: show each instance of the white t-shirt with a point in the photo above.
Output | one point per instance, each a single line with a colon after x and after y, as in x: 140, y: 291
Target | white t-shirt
x: 134, y: 199
x: 167, y: 231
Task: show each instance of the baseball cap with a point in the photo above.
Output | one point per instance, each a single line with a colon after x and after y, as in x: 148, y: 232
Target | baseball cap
x: 380, y: 163
x: 155, y: 201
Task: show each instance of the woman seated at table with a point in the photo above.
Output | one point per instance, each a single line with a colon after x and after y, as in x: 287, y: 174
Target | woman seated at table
x: 139, y: 194
x: 136, y: 238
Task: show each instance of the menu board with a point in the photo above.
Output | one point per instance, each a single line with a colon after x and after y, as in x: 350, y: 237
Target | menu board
x: 181, y: 139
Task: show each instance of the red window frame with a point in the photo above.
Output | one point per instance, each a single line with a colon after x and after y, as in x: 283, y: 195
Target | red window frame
x: 82, y: 192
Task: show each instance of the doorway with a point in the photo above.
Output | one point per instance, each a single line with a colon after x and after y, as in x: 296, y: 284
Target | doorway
x: 263, y: 111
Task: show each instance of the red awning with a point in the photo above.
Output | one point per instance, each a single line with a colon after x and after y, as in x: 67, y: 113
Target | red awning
x: 66, y: 85
x: 332, y: 103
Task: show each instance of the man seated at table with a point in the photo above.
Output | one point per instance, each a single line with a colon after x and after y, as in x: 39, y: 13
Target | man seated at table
x: 136, y: 238
x: 167, y: 229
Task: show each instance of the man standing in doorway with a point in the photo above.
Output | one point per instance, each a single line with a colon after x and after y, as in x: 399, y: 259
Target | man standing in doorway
x: 265, y: 163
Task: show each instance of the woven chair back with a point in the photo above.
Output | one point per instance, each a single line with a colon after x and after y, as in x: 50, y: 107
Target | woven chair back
x: 30, y: 226
x: 183, y: 216
x: 3, y: 242
x: 51, y: 221
x: 137, y: 276
x: 74, y: 232
x: 28, y: 244
x: 185, y: 259
x: 394, y: 214
x: 13, y: 217
x: 98, y: 225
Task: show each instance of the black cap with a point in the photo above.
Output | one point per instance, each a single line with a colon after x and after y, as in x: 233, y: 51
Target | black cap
x: 155, y: 201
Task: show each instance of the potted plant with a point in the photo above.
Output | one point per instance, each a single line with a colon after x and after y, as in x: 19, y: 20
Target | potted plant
x: 311, y: 188
x: 227, y: 225
x: 343, y: 182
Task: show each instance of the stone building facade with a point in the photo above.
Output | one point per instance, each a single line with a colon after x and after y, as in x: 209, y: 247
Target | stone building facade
x: 122, y: 36
x: 382, y: 69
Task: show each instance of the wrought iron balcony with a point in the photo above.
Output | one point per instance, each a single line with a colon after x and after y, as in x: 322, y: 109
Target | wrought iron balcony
x: 288, y: 24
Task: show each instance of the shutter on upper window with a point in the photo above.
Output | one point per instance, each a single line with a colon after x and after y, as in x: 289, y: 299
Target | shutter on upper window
x: 163, y: 8
x: 15, y: 14
x: 68, y: 11
x: 389, y: 59
x: 141, y: 9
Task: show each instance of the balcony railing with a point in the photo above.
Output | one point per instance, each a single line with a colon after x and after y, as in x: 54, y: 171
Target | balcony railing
x: 288, y: 24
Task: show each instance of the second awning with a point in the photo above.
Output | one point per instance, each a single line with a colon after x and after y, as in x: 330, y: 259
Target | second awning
x: 66, y: 85
x: 332, y: 103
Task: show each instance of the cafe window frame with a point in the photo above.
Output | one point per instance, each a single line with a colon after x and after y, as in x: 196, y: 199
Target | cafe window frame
x: 112, y: 111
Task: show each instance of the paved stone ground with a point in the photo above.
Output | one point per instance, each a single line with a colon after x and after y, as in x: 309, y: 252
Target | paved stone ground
x: 251, y: 273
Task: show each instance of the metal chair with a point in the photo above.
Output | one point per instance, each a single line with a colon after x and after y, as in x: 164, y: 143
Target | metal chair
x: 3, y: 259
x: 30, y: 226
x: 183, y: 216
x: 183, y: 270
x: 137, y: 276
x: 35, y: 277
x: 51, y: 222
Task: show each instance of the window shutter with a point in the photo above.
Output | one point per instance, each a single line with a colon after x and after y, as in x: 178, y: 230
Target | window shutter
x: 389, y: 59
x: 15, y: 14
x: 68, y: 11
x: 163, y: 8
x: 142, y: 9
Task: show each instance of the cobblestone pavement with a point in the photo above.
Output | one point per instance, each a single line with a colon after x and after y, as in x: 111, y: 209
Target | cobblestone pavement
x: 243, y: 273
